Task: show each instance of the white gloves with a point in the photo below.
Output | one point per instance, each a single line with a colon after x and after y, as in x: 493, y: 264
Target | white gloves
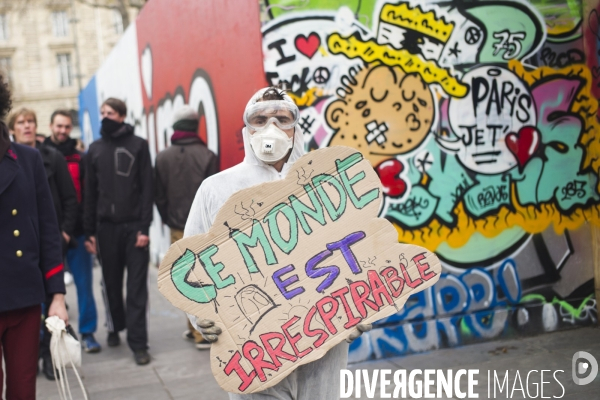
x: 209, y: 331
x: 360, y: 329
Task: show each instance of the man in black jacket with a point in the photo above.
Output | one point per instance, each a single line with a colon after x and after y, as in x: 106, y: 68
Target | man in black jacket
x: 117, y: 216
x: 78, y: 259
x: 23, y: 126
x: 180, y: 169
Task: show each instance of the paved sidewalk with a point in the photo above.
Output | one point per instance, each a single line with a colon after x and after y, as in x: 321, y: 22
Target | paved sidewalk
x: 179, y: 371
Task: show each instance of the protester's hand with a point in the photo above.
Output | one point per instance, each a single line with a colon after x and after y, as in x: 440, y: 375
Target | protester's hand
x: 142, y: 240
x: 66, y: 237
x: 360, y: 329
x: 90, y: 245
x: 58, y: 308
x: 210, y: 332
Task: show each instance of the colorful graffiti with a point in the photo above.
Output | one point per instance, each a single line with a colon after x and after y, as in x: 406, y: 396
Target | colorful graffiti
x: 483, y: 131
x: 479, y: 117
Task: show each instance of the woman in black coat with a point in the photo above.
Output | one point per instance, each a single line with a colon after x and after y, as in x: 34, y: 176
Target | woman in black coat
x: 30, y: 259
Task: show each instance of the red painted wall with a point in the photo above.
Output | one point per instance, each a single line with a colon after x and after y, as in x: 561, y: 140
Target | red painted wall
x: 223, y: 39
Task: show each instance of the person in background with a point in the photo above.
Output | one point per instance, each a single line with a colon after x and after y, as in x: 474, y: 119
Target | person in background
x: 78, y: 259
x: 40, y: 137
x: 23, y: 125
x: 118, y: 198
x: 179, y: 171
x: 31, y: 267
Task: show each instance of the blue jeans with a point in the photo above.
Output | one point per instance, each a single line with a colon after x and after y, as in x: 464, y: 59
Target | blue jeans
x: 80, y: 264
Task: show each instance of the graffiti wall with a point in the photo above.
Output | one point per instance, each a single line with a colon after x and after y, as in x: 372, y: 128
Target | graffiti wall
x: 480, y: 120
x: 479, y: 117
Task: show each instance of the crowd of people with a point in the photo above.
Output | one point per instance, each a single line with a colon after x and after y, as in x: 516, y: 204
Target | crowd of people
x: 60, y: 206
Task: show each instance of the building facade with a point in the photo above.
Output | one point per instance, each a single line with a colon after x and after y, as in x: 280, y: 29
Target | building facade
x: 49, y: 49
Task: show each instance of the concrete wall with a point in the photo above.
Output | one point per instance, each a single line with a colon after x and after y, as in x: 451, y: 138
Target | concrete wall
x: 479, y: 117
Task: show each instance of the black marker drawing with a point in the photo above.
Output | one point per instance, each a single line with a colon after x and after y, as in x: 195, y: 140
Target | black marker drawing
x: 254, y: 304
x: 245, y: 212
x: 304, y: 177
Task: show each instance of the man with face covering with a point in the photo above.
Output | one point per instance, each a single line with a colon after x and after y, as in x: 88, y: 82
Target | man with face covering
x: 118, y: 197
x: 272, y: 143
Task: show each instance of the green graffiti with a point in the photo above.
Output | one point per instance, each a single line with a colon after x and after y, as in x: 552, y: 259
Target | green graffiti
x: 511, y: 38
x: 181, y: 270
x: 575, y: 312
x: 488, y: 196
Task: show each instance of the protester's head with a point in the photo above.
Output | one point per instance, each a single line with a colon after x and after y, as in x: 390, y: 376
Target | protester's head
x: 114, y: 109
x: 61, y: 125
x: 22, y: 123
x: 185, y: 119
x: 40, y: 137
x: 271, y: 117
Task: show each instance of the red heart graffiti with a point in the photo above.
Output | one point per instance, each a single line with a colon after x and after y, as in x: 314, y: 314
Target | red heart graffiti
x: 523, y: 144
x: 308, y: 45
x: 389, y: 174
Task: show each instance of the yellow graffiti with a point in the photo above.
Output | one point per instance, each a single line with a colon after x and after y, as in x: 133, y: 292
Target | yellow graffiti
x: 308, y: 98
x: 532, y: 218
x: 370, y: 51
x: 415, y: 19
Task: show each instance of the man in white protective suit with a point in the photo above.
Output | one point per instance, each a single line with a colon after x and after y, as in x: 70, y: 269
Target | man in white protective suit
x: 272, y: 142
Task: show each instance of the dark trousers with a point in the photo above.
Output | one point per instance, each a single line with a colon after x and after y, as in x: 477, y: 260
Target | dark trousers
x: 19, y: 340
x: 117, y: 251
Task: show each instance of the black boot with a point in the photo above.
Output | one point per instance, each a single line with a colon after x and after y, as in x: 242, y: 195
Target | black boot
x: 47, y: 367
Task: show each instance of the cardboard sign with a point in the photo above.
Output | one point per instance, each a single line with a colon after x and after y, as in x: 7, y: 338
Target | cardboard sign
x: 290, y: 267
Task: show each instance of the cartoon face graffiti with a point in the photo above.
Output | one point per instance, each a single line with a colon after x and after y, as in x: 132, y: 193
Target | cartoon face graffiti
x: 498, y: 106
x: 385, y: 112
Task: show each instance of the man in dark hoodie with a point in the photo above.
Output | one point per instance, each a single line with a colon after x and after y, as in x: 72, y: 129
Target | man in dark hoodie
x: 180, y: 169
x: 78, y: 259
x: 117, y: 215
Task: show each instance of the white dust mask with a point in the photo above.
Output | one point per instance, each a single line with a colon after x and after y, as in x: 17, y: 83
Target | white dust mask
x: 270, y: 144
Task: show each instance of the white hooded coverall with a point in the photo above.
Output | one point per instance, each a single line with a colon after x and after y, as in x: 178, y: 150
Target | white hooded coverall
x: 320, y: 379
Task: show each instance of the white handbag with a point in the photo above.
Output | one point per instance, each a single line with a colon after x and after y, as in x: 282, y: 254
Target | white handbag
x: 66, y: 353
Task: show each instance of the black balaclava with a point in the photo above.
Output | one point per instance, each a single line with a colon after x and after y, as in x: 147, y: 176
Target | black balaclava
x: 109, y: 126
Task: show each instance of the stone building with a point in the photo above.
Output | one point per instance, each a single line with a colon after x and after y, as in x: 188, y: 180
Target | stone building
x: 49, y: 49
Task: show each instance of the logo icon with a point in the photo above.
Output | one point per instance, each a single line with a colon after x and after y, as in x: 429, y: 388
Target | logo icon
x: 581, y: 367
